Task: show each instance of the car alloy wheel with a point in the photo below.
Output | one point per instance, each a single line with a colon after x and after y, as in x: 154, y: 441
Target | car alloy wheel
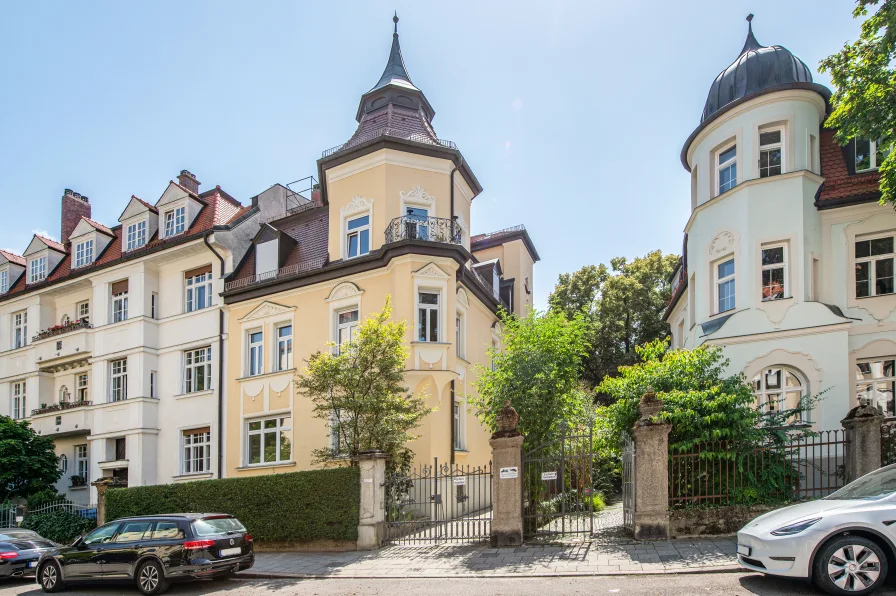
x: 854, y: 568
x: 49, y: 577
x: 149, y: 578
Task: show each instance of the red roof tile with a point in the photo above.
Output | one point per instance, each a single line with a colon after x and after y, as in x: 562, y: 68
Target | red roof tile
x: 13, y: 257
x: 98, y: 226
x: 145, y: 204
x: 839, y: 184
x: 51, y: 243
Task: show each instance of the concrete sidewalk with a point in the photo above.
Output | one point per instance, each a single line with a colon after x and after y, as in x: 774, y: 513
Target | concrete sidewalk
x: 585, y: 558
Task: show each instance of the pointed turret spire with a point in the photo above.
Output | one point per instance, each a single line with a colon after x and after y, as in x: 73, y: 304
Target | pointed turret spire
x: 395, y: 71
x: 750, y: 44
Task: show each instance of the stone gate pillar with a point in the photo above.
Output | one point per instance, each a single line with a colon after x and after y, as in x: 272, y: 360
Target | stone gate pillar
x: 862, y: 426
x: 507, y: 487
x: 651, y: 473
x: 101, y: 486
x: 373, y: 497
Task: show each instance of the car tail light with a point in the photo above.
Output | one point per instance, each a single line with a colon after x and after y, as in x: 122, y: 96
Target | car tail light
x: 248, y: 537
x: 198, y: 544
x: 8, y: 555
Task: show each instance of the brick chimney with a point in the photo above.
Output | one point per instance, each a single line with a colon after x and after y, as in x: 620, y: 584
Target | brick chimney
x: 188, y: 181
x: 74, y: 207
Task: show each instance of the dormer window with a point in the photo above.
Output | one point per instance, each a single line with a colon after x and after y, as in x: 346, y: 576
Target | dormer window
x: 727, y: 169
x: 84, y: 253
x: 37, y: 270
x: 869, y: 154
x: 175, y: 221
x: 136, y: 235
x: 357, y: 240
x: 770, y: 152
x: 4, y: 281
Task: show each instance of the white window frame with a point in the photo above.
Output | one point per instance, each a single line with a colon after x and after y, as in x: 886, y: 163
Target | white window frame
x: 63, y: 464
x: 351, y: 232
x: 84, y: 253
x: 718, y: 282
x: 770, y: 147
x: 196, y: 361
x: 878, y: 398
x: 872, y: 264
x: 4, y: 281
x: 279, y: 428
x: 82, y: 310
x: 783, y: 266
x: 254, y: 353
x: 82, y: 461
x: 346, y: 332
x: 460, y: 334
x: 780, y: 403
x: 82, y: 387
x: 119, y: 307
x: 175, y: 221
x: 284, y: 347
x: 118, y: 380
x: 431, y: 310
x: 460, y: 425
x: 37, y: 269
x: 193, y: 285
x: 724, y: 166
x: 136, y: 235
x: 196, y: 451
x: 19, y: 329
x: 18, y: 400
x: 872, y: 146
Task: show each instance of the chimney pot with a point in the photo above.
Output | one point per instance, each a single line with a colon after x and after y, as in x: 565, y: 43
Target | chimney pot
x: 188, y: 181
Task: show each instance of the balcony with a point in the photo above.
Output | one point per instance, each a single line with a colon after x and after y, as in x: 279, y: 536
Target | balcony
x: 63, y: 405
x: 430, y: 229
x: 287, y: 271
x: 62, y: 329
x: 63, y: 419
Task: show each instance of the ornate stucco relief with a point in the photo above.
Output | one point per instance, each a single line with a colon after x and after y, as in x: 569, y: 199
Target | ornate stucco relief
x: 346, y: 289
x: 723, y: 243
x: 357, y: 204
x: 430, y: 270
x: 417, y: 195
x: 267, y: 309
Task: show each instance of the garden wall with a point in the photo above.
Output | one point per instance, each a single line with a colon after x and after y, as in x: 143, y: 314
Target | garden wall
x: 316, y: 509
x: 714, y: 521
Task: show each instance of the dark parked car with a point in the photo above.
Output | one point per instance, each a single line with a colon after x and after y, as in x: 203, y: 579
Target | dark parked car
x: 20, y: 550
x: 151, y: 551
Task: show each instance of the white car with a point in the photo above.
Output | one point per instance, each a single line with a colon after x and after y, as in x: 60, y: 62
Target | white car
x: 844, y: 542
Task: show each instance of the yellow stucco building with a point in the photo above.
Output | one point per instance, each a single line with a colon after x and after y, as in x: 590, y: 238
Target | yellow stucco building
x: 390, y: 217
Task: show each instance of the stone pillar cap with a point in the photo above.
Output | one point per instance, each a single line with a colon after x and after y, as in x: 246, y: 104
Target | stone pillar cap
x: 371, y: 454
x: 507, y: 422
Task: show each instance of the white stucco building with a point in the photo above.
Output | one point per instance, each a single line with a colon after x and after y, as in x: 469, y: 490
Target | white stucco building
x: 788, y: 258
x: 111, y: 341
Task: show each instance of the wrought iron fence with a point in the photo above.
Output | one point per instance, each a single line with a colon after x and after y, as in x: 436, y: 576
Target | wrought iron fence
x: 63, y: 405
x: 87, y: 511
x: 431, y: 229
x: 8, y: 515
x: 277, y: 273
x: 888, y: 441
x: 63, y: 329
x: 726, y: 473
x: 417, y: 138
x: 628, y: 482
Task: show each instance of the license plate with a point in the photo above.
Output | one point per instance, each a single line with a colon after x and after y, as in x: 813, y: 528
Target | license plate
x: 230, y: 551
x: 32, y: 564
x: 744, y: 550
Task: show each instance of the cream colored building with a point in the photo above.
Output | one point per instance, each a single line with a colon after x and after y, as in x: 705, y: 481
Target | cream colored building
x: 111, y: 341
x: 391, y: 217
x: 788, y: 258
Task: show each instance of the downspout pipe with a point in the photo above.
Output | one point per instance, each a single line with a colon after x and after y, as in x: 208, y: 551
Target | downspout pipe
x: 453, y: 423
x: 220, y: 366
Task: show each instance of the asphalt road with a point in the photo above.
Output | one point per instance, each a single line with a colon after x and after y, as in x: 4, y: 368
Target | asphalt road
x: 716, y: 584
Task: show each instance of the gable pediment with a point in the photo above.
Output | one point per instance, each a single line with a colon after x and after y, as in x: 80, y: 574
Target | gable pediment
x: 431, y: 270
x: 266, y: 233
x: 37, y: 245
x: 85, y: 227
x: 267, y: 309
x: 173, y: 194
x: 135, y: 208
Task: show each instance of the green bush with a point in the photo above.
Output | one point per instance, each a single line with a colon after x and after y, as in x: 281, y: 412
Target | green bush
x: 59, y: 525
x: 294, y: 507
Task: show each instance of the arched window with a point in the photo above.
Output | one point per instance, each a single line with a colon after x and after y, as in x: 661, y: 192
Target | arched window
x: 66, y: 320
x: 63, y: 463
x: 64, y: 395
x: 778, y: 388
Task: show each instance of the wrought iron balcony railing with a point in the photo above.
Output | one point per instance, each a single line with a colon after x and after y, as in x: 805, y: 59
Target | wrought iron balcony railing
x: 287, y: 271
x: 62, y: 329
x: 63, y: 405
x: 432, y: 229
x: 417, y: 138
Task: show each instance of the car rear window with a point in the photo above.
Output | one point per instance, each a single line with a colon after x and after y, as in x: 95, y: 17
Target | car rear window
x: 167, y: 531
x: 210, y: 526
x: 20, y: 535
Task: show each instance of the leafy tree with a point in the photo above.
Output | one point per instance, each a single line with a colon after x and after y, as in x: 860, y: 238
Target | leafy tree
x: 623, y: 306
x: 537, y: 369
x: 864, y: 74
x: 28, y: 463
x: 360, y: 391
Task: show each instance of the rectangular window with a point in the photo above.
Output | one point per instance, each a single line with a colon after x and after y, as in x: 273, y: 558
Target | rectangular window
x: 81, y: 387
x: 174, y: 221
x: 268, y: 440
x: 18, y: 400
x: 346, y: 327
x: 153, y: 381
x: 38, y: 270
x: 256, y: 353
x: 874, y: 267
x: 197, y: 450
x: 84, y: 253
x: 727, y: 169
x: 284, y: 347
x: 4, y: 281
x: 774, y: 274
x: 876, y: 381
x: 459, y: 335
x: 771, y: 149
x: 869, y: 154
x: 19, y: 329
x: 81, y: 461
x: 428, y: 316
x: 83, y: 311
x: 725, y: 285
x: 813, y: 154
x: 136, y: 235
x: 199, y: 288
x: 118, y: 386
x: 197, y: 370
x: 121, y: 449
x: 120, y: 301
x: 458, y: 426
x: 357, y: 240
x: 154, y: 306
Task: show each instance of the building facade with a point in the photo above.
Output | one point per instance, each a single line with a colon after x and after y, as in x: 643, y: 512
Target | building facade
x: 112, y: 338
x: 788, y: 257
x: 390, y: 217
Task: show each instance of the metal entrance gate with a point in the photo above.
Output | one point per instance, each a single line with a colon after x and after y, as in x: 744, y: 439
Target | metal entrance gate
x: 439, y: 504
x: 558, y: 487
x: 628, y: 483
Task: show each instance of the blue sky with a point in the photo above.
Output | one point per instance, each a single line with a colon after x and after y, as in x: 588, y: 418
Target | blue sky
x: 571, y: 114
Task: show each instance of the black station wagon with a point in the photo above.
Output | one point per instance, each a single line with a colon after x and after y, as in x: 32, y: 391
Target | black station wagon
x: 151, y: 551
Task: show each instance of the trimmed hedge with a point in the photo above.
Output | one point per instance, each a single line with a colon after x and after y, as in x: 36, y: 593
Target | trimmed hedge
x: 293, y: 507
x: 59, y: 525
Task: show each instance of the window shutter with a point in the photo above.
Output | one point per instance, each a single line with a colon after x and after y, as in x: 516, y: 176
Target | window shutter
x: 849, y: 154
x: 197, y: 271
x: 120, y: 287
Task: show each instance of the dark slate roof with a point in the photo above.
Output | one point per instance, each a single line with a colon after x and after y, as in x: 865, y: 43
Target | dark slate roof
x: 395, y: 72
